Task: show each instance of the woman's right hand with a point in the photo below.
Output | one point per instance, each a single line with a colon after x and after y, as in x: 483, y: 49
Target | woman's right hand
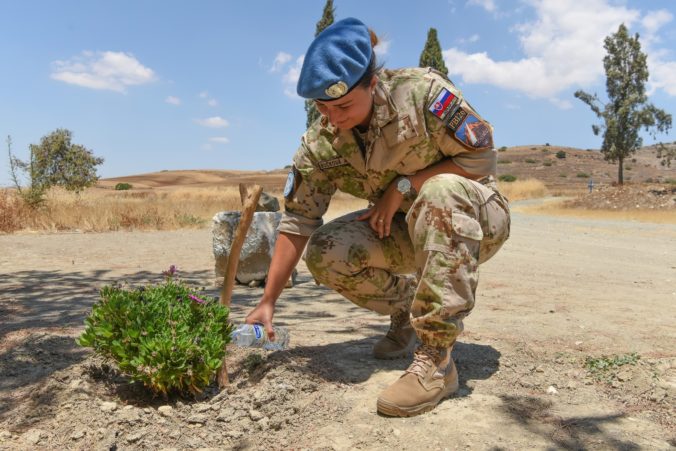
x: 263, y: 314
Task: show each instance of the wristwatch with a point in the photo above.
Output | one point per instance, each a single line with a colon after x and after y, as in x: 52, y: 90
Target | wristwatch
x: 405, y: 187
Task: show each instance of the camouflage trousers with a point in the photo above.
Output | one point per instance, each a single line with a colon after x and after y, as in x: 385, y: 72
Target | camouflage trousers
x: 453, y: 225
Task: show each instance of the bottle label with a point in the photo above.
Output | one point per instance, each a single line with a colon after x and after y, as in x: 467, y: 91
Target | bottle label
x: 258, y: 330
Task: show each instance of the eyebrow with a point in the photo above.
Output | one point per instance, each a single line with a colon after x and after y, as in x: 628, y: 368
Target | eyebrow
x: 349, y: 102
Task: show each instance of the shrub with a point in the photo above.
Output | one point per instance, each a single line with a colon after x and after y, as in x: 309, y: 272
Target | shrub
x: 507, y: 178
x: 11, y: 212
x: 560, y: 154
x: 627, y: 168
x: 563, y: 175
x: 164, y: 336
x: 533, y: 148
x: 504, y: 161
x: 123, y: 186
x: 530, y: 160
x: 547, y: 144
x: 582, y: 175
x: 547, y: 163
x: 502, y: 149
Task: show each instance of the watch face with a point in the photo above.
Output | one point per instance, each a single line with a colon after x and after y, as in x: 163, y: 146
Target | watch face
x: 404, y: 185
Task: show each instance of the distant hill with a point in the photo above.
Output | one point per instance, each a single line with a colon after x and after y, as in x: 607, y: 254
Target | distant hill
x: 535, y: 161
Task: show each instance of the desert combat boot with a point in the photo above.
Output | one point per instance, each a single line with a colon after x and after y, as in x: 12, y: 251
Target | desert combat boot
x: 399, y: 340
x: 430, y: 378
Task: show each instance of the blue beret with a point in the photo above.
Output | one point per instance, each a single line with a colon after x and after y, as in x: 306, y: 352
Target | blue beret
x: 336, y: 60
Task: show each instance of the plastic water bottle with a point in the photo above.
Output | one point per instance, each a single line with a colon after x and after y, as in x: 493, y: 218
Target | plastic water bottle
x: 254, y: 336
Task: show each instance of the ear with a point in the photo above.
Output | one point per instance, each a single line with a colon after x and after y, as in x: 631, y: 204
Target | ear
x: 374, y: 82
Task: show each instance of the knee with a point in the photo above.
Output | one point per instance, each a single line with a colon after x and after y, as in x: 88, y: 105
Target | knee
x: 329, y: 254
x: 442, y: 185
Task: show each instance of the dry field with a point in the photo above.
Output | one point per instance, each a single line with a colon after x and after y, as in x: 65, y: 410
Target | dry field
x: 169, y: 200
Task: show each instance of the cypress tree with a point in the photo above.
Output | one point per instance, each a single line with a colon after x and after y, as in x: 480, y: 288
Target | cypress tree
x: 431, y: 54
x: 325, y: 21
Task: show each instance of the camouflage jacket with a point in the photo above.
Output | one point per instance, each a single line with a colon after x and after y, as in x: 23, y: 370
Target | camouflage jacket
x: 419, y: 118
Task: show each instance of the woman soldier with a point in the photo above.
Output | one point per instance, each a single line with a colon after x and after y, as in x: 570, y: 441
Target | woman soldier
x: 407, y: 141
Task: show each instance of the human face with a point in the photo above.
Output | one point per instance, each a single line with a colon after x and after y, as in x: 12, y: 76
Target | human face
x: 351, y: 110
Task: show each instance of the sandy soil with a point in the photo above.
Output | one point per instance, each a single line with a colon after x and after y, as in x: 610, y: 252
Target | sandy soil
x: 561, y: 290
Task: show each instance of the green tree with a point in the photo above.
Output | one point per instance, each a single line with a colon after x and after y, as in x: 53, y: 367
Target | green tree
x: 431, y: 55
x: 627, y: 110
x: 325, y: 21
x: 56, y: 162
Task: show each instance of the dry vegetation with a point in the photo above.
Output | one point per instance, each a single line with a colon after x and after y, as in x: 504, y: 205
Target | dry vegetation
x: 188, y: 199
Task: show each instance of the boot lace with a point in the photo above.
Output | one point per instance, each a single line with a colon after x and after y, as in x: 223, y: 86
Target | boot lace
x: 425, y: 357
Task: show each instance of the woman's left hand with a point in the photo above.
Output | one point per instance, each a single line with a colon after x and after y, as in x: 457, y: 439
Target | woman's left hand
x: 380, y: 215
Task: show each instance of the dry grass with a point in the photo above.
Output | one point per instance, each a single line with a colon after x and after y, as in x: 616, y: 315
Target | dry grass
x: 100, y: 210
x: 523, y: 189
x: 556, y: 208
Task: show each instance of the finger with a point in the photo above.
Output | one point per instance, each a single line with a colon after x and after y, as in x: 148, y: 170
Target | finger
x: 388, y: 225
x: 270, y: 331
x: 381, y: 227
x: 365, y: 215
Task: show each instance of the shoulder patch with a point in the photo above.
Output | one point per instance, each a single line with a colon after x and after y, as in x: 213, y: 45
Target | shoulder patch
x: 293, y: 179
x: 473, y: 132
x: 456, y: 117
x: 443, y: 103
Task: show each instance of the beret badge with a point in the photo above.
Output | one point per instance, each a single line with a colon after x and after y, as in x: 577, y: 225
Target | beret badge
x: 337, y: 90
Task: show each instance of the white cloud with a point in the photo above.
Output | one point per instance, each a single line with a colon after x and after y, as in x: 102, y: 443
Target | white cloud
x: 219, y: 140
x: 488, y: 5
x: 203, y: 94
x: 113, y: 71
x: 280, y: 60
x: 654, y: 20
x: 213, y: 122
x: 173, y: 100
x: 662, y: 76
x: 290, y: 78
x: 212, y: 102
x: 382, y: 48
x: 471, y: 39
x: 563, y: 48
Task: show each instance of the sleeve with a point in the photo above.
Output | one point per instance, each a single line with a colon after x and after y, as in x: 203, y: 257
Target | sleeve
x: 307, y: 195
x: 459, y: 131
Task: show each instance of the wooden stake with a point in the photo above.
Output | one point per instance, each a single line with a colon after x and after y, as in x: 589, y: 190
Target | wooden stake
x: 253, y: 194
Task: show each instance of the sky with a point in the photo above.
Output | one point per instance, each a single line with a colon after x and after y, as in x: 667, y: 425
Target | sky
x: 163, y: 85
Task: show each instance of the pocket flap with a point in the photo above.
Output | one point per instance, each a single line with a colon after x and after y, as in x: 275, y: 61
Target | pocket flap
x: 466, y: 226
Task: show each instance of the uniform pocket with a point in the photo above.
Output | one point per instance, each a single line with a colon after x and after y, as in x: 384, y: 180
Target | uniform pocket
x: 465, y: 226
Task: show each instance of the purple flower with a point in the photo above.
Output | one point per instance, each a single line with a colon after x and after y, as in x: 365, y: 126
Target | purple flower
x: 171, y: 271
x: 196, y: 299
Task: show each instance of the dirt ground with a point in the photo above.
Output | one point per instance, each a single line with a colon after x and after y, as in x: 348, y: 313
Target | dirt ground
x: 561, y: 290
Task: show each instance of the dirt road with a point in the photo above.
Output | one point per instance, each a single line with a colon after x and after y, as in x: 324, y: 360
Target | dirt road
x: 560, y: 291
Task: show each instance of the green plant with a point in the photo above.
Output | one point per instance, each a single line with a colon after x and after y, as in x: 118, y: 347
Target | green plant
x: 530, y: 160
x: 123, y: 186
x: 582, y: 175
x: 563, y: 175
x: 547, y: 163
x: 627, y: 167
x: 164, y: 335
x: 504, y: 161
x: 603, y: 367
x: 502, y: 149
x: 547, y: 144
x: 560, y: 154
x: 507, y: 178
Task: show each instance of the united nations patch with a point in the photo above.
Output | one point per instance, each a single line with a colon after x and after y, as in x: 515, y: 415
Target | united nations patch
x: 290, y: 182
x: 474, y: 133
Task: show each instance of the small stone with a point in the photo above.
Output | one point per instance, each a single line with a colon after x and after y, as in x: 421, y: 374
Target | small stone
x: 234, y: 434
x: 201, y: 408
x: 264, y: 423
x: 551, y: 390
x: 108, y: 406
x: 77, y: 435
x: 34, y: 436
x: 396, y: 432
x: 166, y: 411
x: 615, y: 384
x: 135, y: 437
x: 624, y: 376
x: 255, y: 415
x: 5, y: 435
x: 198, y: 419
x: 539, y: 369
x: 75, y: 383
x: 128, y: 415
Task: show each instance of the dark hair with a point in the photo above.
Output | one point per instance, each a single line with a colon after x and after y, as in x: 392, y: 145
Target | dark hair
x: 374, y: 67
